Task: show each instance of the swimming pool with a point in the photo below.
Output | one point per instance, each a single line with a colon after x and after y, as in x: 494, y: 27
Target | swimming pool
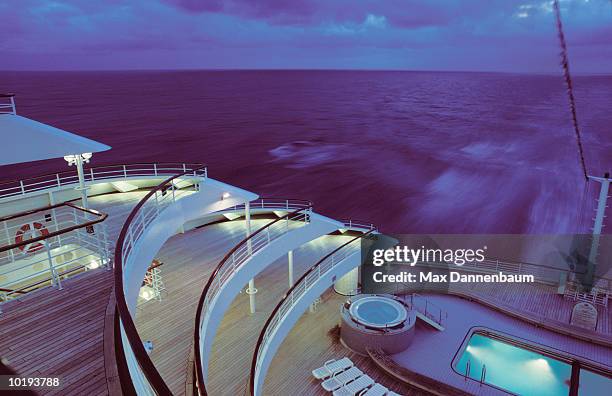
x: 523, y: 371
x: 378, y: 312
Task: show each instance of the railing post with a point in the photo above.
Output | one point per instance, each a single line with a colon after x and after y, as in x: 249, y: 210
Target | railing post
x: 483, y: 374
x: 8, y: 241
x: 156, y: 202
x: 54, y: 276
x: 107, y: 247
x: 124, y: 172
x: 131, y: 237
x: 91, y: 172
x: 59, y: 182
x: 21, y: 185
x: 290, y: 260
x: 155, y: 168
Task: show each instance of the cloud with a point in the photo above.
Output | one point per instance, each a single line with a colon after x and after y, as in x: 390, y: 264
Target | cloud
x: 375, y: 21
x: 434, y: 34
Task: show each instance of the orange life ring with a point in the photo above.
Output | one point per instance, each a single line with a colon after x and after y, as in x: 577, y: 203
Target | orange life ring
x: 30, y: 230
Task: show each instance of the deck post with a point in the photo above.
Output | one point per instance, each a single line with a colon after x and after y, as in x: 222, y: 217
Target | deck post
x: 251, y: 290
x: 81, y: 187
x: 290, y: 260
x: 597, y: 227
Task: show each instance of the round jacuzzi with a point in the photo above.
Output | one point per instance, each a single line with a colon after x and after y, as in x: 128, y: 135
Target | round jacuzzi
x: 378, y: 312
x: 376, y: 322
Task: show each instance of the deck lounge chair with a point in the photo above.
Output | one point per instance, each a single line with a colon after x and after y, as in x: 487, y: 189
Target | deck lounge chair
x: 332, y: 367
x: 339, y: 379
x: 354, y: 387
x: 376, y: 390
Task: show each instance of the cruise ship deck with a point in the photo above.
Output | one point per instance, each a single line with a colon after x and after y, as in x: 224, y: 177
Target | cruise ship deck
x: 155, y: 279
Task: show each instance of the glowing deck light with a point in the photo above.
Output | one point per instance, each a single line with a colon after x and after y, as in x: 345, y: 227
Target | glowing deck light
x: 225, y: 195
x: 93, y: 264
x: 146, y: 293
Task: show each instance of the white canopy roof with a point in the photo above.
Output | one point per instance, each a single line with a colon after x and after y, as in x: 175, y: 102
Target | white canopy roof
x: 25, y: 140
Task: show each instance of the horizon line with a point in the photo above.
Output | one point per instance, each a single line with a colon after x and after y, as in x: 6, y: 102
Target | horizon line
x: 551, y: 73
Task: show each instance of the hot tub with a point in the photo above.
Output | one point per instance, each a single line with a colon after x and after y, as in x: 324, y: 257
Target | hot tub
x: 378, y: 322
x: 378, y: 312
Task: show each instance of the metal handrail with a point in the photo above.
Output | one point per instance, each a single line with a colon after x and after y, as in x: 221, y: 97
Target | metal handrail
x: 9, y: 105
x: 356, y: 223
x: 288, y: 300
x: 425, y: 311
x: 214, y: 278
x: 101, y: 217
x: 102, y: 172
x: 133, y: 230
x: 274, y: 203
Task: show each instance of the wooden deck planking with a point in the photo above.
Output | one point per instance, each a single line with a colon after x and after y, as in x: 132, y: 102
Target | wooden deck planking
x: 74, y: 317
x: 540, y: 301
x: 308, y: 346
x: 53, y: 332
x: 236, y: 338
x: 188, y: 261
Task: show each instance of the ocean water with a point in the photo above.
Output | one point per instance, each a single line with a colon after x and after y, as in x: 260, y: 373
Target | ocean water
x: 409, y: 151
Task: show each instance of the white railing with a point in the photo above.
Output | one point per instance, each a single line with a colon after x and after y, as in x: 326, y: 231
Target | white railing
x: 426, y: 308
x: 7, y: 104
x: 44, y: 246
x: 235, y: 259
x: 273, y: 203
x: 142, y: 373
x: 250, y: 246
x: 91, y: 175
x: 359, y: 224
x: 290, y: 300
x: 149, y: 210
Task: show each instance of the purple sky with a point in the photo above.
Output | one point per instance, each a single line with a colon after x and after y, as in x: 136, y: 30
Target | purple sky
x: 496, y: 35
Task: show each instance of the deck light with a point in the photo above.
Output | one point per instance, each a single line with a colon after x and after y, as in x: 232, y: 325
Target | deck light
x: 225, y: 195
x: 146, y: 293
x: 72, y: 158
x: 93, y: 264
x: 79, y: 160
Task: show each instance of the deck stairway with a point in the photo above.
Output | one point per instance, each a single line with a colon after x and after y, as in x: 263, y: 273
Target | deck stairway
x: 427, y: 311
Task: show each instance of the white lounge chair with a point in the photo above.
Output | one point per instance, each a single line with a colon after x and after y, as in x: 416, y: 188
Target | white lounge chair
x: 354, y: 387
x: 339, y: 379
x: 332, y: 367
x: 376, y: 390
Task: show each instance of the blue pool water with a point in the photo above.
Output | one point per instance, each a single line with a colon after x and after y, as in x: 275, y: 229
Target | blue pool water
x: 525, y: 372
x: 377, y: 313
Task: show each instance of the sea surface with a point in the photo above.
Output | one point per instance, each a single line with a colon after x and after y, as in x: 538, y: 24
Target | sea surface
x: 412, y: 152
